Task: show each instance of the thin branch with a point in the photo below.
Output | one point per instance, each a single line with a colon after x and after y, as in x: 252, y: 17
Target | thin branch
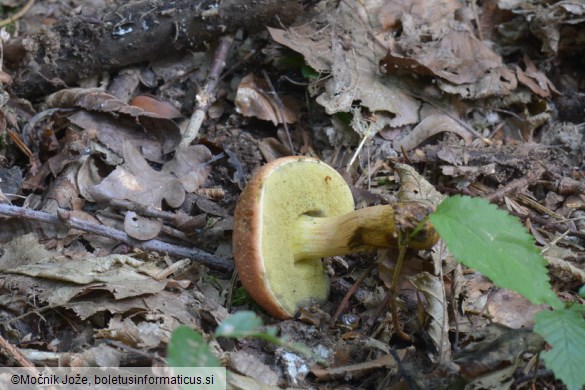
x: 207, y: 96
x: 64, y: 218
x: 281, y: 111
x: 17, y: 15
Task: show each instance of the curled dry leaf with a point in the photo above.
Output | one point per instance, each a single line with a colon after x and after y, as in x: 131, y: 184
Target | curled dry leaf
x: 414, y: 187
x: 534, y: 79
x: 154, y: 105
x: 94, y: 100
x: 121, y: 275
x: 436, y: 307
x: 255, y: 99
x: 431, y: 125
x: 548, y: 20
x: 140, y: 227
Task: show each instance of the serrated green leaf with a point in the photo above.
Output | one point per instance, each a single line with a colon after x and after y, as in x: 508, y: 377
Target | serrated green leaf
x: 491, y: 241
x: 564, y: 330
x: 187, y: 348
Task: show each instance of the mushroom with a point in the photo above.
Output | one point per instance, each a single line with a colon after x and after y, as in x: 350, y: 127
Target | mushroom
x: 297, y: 210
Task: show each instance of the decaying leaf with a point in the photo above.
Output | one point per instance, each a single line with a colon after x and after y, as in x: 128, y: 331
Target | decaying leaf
x: 190, y: 165
x: 154, y: 105
x: 436, y: 307
x: 512, y: 309
x: 144, y: 334
x: 249, y: 365
x: 110, y: 116
x: 434, y: 42
x: 344, y: 48
x: 414, y: 187
x: 495, y: 349
x: 535, y: 80
x: 549, y: 19
x: 58, y: 280
x: 135, y: 180
x: 140, y: 227
x: 255, y: 99
x: 429, y: 126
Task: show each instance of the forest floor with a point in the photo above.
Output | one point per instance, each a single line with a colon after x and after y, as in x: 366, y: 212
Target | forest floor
x: 129, y: 129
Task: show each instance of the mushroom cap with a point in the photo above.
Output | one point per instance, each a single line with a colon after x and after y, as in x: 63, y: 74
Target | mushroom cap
x: 264, y: 229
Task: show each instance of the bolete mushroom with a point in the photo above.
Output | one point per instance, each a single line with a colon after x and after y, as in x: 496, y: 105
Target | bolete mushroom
x: 295, y: 211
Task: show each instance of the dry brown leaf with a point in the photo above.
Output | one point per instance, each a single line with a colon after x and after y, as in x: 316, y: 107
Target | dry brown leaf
x: 436, y: 308
x: 421, y: 12
x: 495, y: 348
x: 138, y: 182
x: 255, y: 99
x: 163, y: 133
x: 345, y: 49
x: 548, y: 19
x: 182, y: 307
x: 432, y: 42
x: 534, y: 79
x: 190, y: 165
x: 141, y: 228
x: 414, y: 187
x: 432, y: 125
x: 144, y: 334
x: 512, y: 310
x: 249, y: 365
x: 59, y: 279
x: 154, y: 105
x: 241, y: 382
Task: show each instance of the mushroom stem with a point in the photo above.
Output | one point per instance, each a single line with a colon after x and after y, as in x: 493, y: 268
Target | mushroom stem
x: 361, y: 230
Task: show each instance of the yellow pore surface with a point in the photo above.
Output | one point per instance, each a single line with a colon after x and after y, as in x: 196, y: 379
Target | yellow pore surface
x: 304, y: 186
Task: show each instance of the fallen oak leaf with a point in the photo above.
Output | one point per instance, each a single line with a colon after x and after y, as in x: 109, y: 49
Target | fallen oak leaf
x: 135, y: 180
x: 190, y: 165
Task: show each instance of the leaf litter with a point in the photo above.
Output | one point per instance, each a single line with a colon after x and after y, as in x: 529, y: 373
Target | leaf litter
x: 455, y: 91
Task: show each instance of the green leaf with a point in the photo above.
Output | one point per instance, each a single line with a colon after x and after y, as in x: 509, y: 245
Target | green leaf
x: 187, y: 348
x: 248, y: 324
x: 309, y: 73
x: 564, y: 330
x: 491, y: 241
x: 239, y: 324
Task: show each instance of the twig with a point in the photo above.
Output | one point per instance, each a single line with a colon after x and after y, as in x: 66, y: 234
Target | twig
x: 515, y: 184
x: 207, y: 95
x: 350, y: 293
x: 64, y: 218
x: 17, y: 15
x: 560, y: 227
x: 281, y: 111
x: 12, y: 352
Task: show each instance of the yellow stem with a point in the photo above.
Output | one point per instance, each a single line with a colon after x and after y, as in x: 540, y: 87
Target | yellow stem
x: 361, y: 230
